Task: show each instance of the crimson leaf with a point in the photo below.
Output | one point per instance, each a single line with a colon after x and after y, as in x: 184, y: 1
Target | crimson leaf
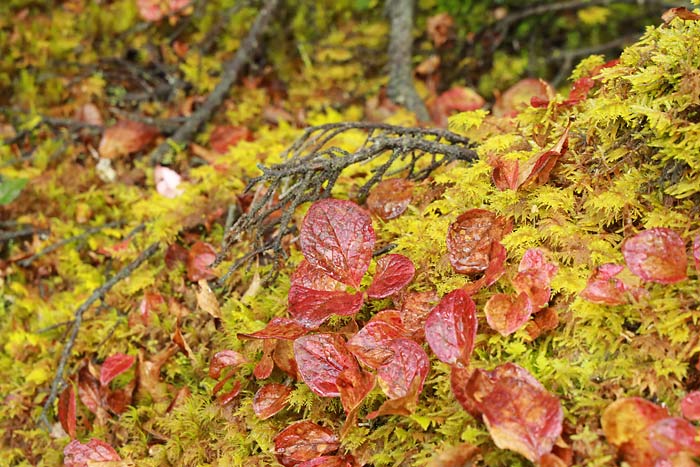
x: 115, y: 365
x: 393, y: 273
x: 450, y: 328
x: 408, y: 364
x: 77, y: 454
x: 303, y: 441
x: 321, y: 358
x: 270, y: 399
x: 656, y: 255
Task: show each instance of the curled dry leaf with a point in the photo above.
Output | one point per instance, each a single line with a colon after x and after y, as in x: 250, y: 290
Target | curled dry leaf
x: 321, y: 358
x: 270, y: 399
x: 507, y: 313
x: 225, y: 137
x: 66, y: 410
x: 408, y: 364
x: 206, y: 299
x: 278, y: 328
x: 115, y: 365
x: 77, y: 454
x: 371, y: 343
x: 126, y: 137
x: 337, y: 237
x: 224, y: 359
x: 393, y: 273
x: 303, y: 441
x: 199, y: 257
x: 469, y: 240
x: 450, y: 328
x: 690, y: 406
x: 390, y: 198
x: 656, y: 255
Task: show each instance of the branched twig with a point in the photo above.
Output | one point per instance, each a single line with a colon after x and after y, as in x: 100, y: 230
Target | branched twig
x: 231, y: 73
x: 98, y: 294
x: 26, y: 232
x: 313, y: 165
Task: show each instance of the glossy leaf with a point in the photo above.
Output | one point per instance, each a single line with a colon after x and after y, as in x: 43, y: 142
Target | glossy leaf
x: 354, y: 384
x: 283, y: 356
x: 270, y: 399
x: 450, y: 328
x: 329, y: 461
x: 535, y: 274
x: 370, y: 344
x: 311, y: 307
x: 227, y: 136
x: 115, y: 365
x: 77, y: 454
x: 321, y: 358
x: 690, y: 406
x: 66, y: 410
x: 199, y: 257
x: 126, y: 137
x: 278, y: 328
x: 656, y: 255
x: 409, y: 363
x: 507, y: 313
x: 415, y: 307
x: 536, y: 170
x: 495, y: 269
x: 673, y: 435
x: 89, y: 391
x: 390, y: 198
x: 337, y: 237
x: 404, y: 405
x: 469, y: 240
x: 224, y: 359
x: 303, y: 441
x: 394, y: 272
x: 263, y: 369
x: 229, y: 396
x: 311, y: 277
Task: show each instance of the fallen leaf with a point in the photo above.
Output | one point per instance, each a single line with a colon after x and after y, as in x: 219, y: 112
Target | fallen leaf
x: 393, y: 273
x: 439, y: 28
x: 225, y: 137
x: 409, y: 363
x: 656, y: 255
x: 602, y: 287
x: 518, y: 96
x: 224, y: 359
x: 456, y: 99
x: 690, y: 406
x: 507, y: 313
x: 167, y: 182
x: 674, y: 435
x: 114, y: 365
x: 534, y: 276
x: 495, y: 269
x: 278, y: 328
x: 536, y: 170
x: 469, y: 240
x: 415, y: 307
x: 696, y: 252
x: 681, y: 13
x: 66, y: 410
x: 303, y: 441
x: 155, y: 10
x: 404, y: 405
x: 77, y: 454
x: 450, y: 328
x: 454, y: 456
x: 270, y: 399
x: 125, y: 137
x: 206, y: 299
x: 320, y: 359
x: 229, y: 396
x: 199, y: 257
x: 150, y: 302
x: 390, y: 198
x: 370, y: 344
x: 544, y: 321
x: 311, y: 307
x: 263, y: 369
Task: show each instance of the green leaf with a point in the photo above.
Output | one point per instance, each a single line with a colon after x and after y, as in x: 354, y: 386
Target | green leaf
x: 10, y: 189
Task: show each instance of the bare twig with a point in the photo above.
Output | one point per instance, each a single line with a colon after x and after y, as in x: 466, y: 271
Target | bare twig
x: 26, y: 232
x: 98, y: 294
x: 231, y: 73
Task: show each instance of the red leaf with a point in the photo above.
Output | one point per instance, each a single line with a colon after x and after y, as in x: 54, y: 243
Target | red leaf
x: 263, y: 369
x: 89, y: 391
x: 690, y: 406
x: 126, y: 137
x: 679, y: 12
x: 155, y: 10
x: 329, y: 461
x: 224, y: 399
x: 390, y: 198
x: 495, y: 269
x: 469, y: 240
x: 270, y: 399
x: 321, y: 358
x: 518, y: 96
x: 507, y: 313
x: 603, y: 288
x: 579, y: 90
x: 408, y: 364
x: 451, y: 327
x: 404, y: 405
x: 656, y: 255
x: 354, y: 384
x: 460, y: 377
x: 114, y: 366
x: 534, y: 276
x: 696, y: 252
x: 278, y: 328
x: 536, y: 171
x: 199, y: 257
x: 223, y: 359
x: 283, y: 357
x: 310, y: 307
x: 545, y: 320
x: 66, y: 410
x: 337, y: 237
x: 225, y: 137
x: 371, y: 343
x: 392, y: 317
x: 315, y: 278
x: 455, y: 99
x: 77, y: 454
x: 175, y: 254
x: 415, y: 307
x: 303, y: 441
x: 505, y: 173
x: 673, y: 435
x: 394, y: 272
x: 150, y: 302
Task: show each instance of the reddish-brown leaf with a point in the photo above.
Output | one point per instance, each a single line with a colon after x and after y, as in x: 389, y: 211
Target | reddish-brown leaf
x: 507, y: 313
x: 263, y: 369
x: 408, y: 364
x: 450, y: 328
x: 278, y: 328
x: 354, y: 384
x: 536, y: 171
x: 199, y: 257
x: 469, y: 240
x: 337, y: 237
x: 439, y: 28
x: 656, y: 255
x: 115, y: 365
x: 311, y: 277
x: 415, y: 307
x: 535, y: 274
x: 283, y: 357
x: 126, y: 137
x: 679, y: 12
x: 329, y: 461
x: 150, y: 302
x: 321, y: 358
x: 579, y: 90
x: 604, y: 288
x: 77, y: 454
x: 495, y: 269
x: 545, y: 320
x: 460, y: 379
x: 404, y: 405
x: 224, y: 137
x: 229, y: 396
x: 394, y: 272
x: 224, y: 359
x: 303, y: 441
x: 371, y: 343
x: 89, y: 390
x: 674, y: 435
x: 454, y: 456
x: 390, y: 198
x: 155, y: 10
x: 66, y: 410
x: 455, y: 99
x: 174, y: 255
x: 505, y: 173
x: 311, y: 307
x: 392, y: 317
x: 696, y: 252
x: 690, y: 406
x: 270, y: 399
x: 518, y: 96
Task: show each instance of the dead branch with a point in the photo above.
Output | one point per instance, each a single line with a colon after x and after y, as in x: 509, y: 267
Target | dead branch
x: 232, y: 71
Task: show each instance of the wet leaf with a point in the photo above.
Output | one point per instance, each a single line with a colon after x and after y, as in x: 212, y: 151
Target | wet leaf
x: 370, y: 344
x: 311, y: 277
x: 495, y: 269
x: 469, y: 240
x: 311, y: 307
x: 278, y: 328
x: 450, y: 328
x: 263, y: 369
x: 673, y: 435
x: 225, y: 137
x: 354, y: 384
x: 206, y: 299
x: 337, y: 237
x: 408, y: 364
x: 77, y: 454
x: 535, y: 274
x: 199, y: 257
x: 390, y: 198
x: 270, y: 399
x: 604, y: 288
x: 167, y: 182
x: 229, y: 396
x: 690, y: 406
x: 321, y: 358
x: 536, y: 171
x: 126, y: 137
x: 507, y: 313
x: 114, y: 366
x: 89, y: 391
x: 415, y: 307
x: 303, y: 441
x: 329, y: 461
x: 544, y: 321
x: 224, y: 359
x: 393, y: 273
x: 283, y: 356
x: 656, y: 255
x: 66, y: 410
